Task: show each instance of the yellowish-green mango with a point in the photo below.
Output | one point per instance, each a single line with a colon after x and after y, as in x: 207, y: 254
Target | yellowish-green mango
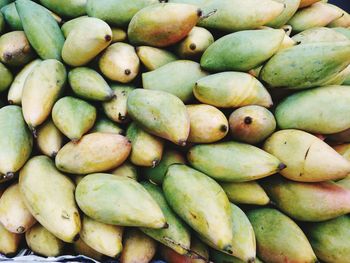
x: 56, y: 211
x: 278, y: 238
x: 342, y: 30
x: 42, y: 242
x: 14, y: 215
x: 16, y: 142
x: 6, y: 78
x: 233, y: 161
x: 160, y: 113
x: 343, y: 21
x: 120, y: 62
x: 41, y: 90
x: 183, y: 190
x: 11, y: 17
x: 68, y: 26
x: 127, y: 169
x: 9, y: 242
x: 81, y: 248
x: 153, y: 58
x: 73, y: 117
x: 118, y: 34
x: 341, y: 78
x: 105, y: 239
x: 67, y: 8
x: 95, y: 152
x: 319, y: 34
x: 49, y: 139
x: 231, y: 90
x: 118, y: 201
x: 290, y: 8
x: 242, y: 51
x: 105, y: 125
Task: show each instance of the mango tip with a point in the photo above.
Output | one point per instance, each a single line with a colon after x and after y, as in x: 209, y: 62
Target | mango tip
x: 165, y: 226
x: 182, y: 143
x: 228, y: 249
x: 251, y: 260
x: 8, y: 175
x: 281, y: 166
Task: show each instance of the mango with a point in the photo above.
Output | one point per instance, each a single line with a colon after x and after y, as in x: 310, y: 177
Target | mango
x: 290, y: 8
x: 319, y: 34
x: 118, y: 34
x: 9, y: 242
x: 6, y: 78
x: 305, y: 3
x: 81, y: 248
x: 343, y: 21
x: 102, y: 124
x: 153, y: 58
x: 127, y: 169
x: 67, y: 8
x: 11, y: 16
x: 49, y: 139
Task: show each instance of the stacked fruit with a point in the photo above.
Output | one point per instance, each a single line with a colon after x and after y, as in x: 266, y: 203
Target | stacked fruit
x: 139, y: 124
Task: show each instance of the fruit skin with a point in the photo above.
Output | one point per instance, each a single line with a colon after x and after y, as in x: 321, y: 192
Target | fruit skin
x: 56, y: 211
x: 208, y: 124
x: 105, y: 125
x: 301, y: 111
x: 95, y: 152
x: 177, y: 235
x: 16, y: 142
x: 231, y: 90
x: 343, y: 21
x: 81, y: 248
x: 233, y: 161
x: 117, y: 13
x: 42, y: 242
x: 14, y: 215
x: 242, y: 51
x: 11, y: 16
x: 119, y: 201
x: 105, y: 239
x: 325, y: 60
x: 252, y: 124
x: 41, y: 90
x: 278, y: 238
x: 319, y: 34
x: 42, y: 32
x: 6, y: 78
x: 301, y: 201
x: 305, y: 3
x: 137, y: 247
x: 127, y: 169
x: 183, y: 190
x: 178, y: 78
x: 68, y: 8
x: 291, y: 7
x: 146, y: 149
x: 153, y: 58
x: 73, y: 117
x: 49, y: 139
x: 9, y: 242
x: 150, y: 25
x: 344, y: 182
x: 160, y: 113
x: 330, y: 239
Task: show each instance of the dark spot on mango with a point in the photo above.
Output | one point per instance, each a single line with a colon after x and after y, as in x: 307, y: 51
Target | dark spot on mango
x: 193, y: 46
x: 108, y: 38
x: 127, y: 72
x: 223, y: 128
x: 248, y: 120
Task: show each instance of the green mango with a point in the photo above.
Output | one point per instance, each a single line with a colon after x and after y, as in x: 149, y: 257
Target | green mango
x: 250, y: 193
x: 74, y: 24
x: 156, y: 174
x: 105, y: 125
x: 43, y: 32
x: 49, y: 139
x: 341, y: 78
x: 89, y: 84
x: 160, y: 113
x: 150, y: 25
x: 81, y: 248
x: 330, y: 239
x: 177, y: 236
x: 6, y: 78
x: 5, y: 2
x: 236, y: 15
x: 44, y: 243
x: 95, y: 152
x: 11, y: 16
x: 127, y: 169
x: 231, y: 90
x: 119, y: 201
x: 67, y: 8
x: 184, y: 191
x: 325, y: 60
x: 302, y: 202
x: 343, y: 31
x: 252, y: 124
x: 302, y: 111
x: 41, y: 90
x: 233, y: 161
x: 9, y: 242
x: 117, y: 13
x: 278, y: 238
x: 242, y: 51
x: 290, y: 8
x: 16, y: 141
x: 319, y: 34
x: 116, y: 108
x: 56, y: 211
x: 153, y: 58
x: 2, y: 22
x: 178, y: 78
x: 146, y: 149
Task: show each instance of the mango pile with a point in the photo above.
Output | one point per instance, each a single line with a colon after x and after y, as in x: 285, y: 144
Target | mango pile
x: 190, y: 131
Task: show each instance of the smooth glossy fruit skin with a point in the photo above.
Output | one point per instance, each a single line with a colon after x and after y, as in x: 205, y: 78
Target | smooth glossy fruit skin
x: 153, y: 58
x: 344, y: 182
x: 119, y: 201
x: 137, y: 247
x: 178, y: 78
x: 319, y: 34
x: 343, y: 21
x: 81, y: 248
x: 67, y: 8
x: 14, y: 215
x: 231, y: 90
x: 56, y: 211
x: 118, y: 34
x: 95, y: 152
x: 242, y: 51
x: 278, y: 238
x: 127, y: 169
x: 42, y: 242
x: 305, y: 3
x: 308, y: 159
x: 233, y: 161
x: 6, y: 78
x: 183, y: 190
x: 252, y: 124
x: 49, y: 139
x: 330, y: 239
x: 160, y: 113
x: 11, y: 16
x: 301, y: 110
x: 105, y: 125
x: 301, y: 201
x: 290, y: 8
x: 103, y: 238
x: 325, y: 60
x: 43, y: 32
x: 16, y: 141
x: 150, y: 25
x: 9, y: 242
x: 177, y: 235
